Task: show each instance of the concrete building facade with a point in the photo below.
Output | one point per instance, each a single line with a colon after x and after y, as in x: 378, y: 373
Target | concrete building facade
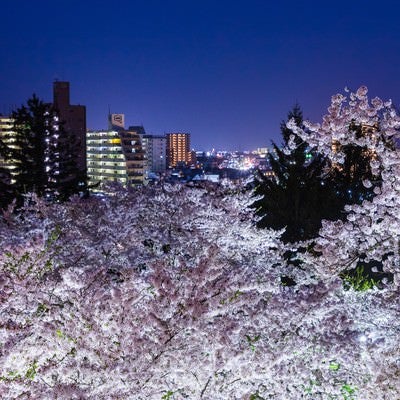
x: 115, y: 156
x: 155, y: 148
x: 73, y: 120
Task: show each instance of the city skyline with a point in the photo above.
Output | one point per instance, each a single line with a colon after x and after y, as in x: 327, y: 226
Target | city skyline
x: 227, y: 73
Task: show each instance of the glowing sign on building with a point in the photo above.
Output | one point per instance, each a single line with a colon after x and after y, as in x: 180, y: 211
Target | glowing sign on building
x: 117, y: 121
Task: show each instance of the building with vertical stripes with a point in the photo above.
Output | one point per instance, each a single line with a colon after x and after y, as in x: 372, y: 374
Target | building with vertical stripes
x: 178, y: 149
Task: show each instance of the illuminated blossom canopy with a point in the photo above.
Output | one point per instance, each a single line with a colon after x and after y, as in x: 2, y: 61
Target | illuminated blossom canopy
x: 170, y: 292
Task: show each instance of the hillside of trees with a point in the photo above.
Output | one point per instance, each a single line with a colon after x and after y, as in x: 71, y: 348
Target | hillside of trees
x: 174, y: 292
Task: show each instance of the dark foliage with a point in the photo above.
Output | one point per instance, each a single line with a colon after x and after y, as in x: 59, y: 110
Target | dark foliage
x: 300, y: 194
x: 366, y: 275
x: 6, y: 189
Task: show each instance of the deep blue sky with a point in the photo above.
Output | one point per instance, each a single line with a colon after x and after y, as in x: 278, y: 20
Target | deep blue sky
x: 226, y: 71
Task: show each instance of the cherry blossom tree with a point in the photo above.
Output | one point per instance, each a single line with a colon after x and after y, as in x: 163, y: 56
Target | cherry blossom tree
x: 171, y: 292
x: 372, y: 228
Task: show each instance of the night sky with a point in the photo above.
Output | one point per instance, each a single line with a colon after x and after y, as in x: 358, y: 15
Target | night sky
x: 225, y: 71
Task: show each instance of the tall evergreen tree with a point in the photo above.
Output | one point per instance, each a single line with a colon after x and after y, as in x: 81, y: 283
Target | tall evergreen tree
x: 30, y: 146
x: 41, y: 152
x: 299, y: 195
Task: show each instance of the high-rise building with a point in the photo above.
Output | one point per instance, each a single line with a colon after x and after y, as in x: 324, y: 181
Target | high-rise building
x: 178, y: 149
x: 6, y: 132
x: 116, y: 155
x: 73, y: 120
x: 155, y: 148
x: 135, y: 156
x: 105, y: 159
